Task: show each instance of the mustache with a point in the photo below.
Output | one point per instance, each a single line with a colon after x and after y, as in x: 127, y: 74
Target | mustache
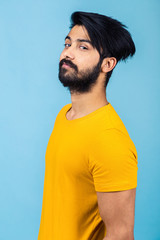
x: 68, y: 62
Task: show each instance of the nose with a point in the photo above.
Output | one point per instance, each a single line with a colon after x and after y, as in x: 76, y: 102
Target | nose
x: 69, y: 53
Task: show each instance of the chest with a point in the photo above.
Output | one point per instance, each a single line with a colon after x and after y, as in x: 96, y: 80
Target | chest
x: 67, y: 154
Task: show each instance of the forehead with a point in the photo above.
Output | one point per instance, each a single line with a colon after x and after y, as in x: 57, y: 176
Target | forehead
x: 79, y: 32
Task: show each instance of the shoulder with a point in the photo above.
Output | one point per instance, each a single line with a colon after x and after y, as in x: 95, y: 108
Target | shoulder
x: 112, y: 133
x: 61, y: 114
x: 113, y: 141
x: 109, y: 119
x: 116, y: 122
x: 63, y: 110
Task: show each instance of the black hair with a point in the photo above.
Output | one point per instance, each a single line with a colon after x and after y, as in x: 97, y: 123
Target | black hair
x: 108, y: 36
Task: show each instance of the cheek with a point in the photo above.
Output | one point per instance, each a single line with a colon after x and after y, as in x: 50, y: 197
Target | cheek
x: 87, y: 62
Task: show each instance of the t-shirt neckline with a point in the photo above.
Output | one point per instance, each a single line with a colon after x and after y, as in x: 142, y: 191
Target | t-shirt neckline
x: 68, y: 107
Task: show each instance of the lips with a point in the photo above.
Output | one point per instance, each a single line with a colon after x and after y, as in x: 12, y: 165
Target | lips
x: 66, y: 65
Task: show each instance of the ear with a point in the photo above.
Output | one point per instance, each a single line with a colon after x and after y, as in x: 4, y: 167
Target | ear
x: 108, y: 64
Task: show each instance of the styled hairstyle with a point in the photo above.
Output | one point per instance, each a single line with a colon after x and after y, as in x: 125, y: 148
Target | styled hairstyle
x: 108, y: 36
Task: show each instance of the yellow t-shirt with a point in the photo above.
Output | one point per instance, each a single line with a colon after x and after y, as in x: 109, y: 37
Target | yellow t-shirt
x: 84, y: 155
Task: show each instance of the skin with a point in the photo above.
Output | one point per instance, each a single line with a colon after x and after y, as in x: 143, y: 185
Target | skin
x: 117, y: 211
x: 116, y: 208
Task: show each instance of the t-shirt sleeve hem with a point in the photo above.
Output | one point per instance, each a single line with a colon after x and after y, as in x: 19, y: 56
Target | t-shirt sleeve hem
x: 114, y: 188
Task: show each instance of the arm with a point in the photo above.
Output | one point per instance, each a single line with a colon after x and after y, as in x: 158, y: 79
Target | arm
x: 117, y: 212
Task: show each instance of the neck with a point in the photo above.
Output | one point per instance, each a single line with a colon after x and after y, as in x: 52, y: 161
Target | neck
x: 85, y: 103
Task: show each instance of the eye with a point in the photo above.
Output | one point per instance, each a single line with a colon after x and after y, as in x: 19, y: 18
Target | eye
x: 83, y: 47
x: 67, y: 45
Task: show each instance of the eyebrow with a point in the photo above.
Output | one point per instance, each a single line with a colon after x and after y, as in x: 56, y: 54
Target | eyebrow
x: 79, y: 40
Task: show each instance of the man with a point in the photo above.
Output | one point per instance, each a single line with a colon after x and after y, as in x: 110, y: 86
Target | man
x: 91, y: 161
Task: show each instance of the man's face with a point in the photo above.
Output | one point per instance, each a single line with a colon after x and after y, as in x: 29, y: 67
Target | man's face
x: 80, y: 64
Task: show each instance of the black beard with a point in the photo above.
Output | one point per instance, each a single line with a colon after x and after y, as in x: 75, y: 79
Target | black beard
x: 81, y: 84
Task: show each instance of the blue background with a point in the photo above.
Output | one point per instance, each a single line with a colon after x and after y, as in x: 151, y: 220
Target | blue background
x: 31, y: 40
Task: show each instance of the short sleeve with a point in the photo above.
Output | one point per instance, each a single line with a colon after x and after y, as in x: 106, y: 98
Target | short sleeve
x: 113, y: 161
